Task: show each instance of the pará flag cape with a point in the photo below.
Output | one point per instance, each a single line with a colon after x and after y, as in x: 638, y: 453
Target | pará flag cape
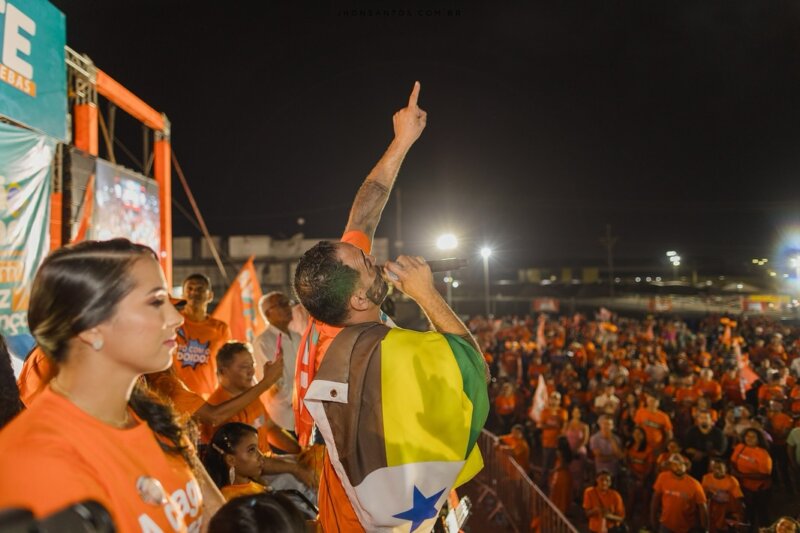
x: 400, y: 412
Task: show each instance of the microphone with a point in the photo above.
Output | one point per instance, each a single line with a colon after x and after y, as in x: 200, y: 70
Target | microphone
x: 437, y: 265
x: 443, y: 265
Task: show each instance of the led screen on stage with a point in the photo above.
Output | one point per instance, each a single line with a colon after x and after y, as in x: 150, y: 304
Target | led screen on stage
x: 126, y: 205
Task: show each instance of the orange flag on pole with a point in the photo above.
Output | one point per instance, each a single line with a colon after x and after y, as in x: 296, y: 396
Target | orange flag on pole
x: 239, y: 307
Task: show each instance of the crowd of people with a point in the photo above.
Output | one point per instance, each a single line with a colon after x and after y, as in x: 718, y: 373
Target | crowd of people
x: 143, y: 403
x: 650, y: 423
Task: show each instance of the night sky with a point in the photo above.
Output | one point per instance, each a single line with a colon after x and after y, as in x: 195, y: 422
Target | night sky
x: 676, y: 122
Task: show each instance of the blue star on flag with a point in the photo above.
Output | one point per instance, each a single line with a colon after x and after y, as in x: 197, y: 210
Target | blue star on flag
x: 422, y: 509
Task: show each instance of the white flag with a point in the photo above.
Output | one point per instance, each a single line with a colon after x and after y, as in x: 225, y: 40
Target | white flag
x: 539, y: 400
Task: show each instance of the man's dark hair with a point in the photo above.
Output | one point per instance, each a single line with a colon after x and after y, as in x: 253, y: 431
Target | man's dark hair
x: 228, y: 351
x: 324, y: 284
x: 198, y: 277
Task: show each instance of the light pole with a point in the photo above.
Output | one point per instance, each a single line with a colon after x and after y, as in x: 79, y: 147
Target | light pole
x: 448, y: 241
x: 795, y: 262
x: 485, y: 253
x: 675, y: 259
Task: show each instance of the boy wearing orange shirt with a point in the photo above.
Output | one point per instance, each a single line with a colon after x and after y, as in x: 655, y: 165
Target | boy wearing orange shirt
x: 724, y: 496
x: 603, y: 505
x: 199, y: 338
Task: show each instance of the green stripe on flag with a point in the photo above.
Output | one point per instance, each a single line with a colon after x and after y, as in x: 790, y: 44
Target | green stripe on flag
x: 473, y: 375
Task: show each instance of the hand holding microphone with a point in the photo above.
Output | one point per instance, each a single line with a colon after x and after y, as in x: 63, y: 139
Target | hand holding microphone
x: 413, y: 276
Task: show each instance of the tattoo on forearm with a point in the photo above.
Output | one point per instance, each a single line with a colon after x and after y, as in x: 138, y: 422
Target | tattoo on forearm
x: 368, y: 206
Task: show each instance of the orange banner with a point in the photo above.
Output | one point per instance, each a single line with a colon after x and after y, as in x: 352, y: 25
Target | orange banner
x: 239, y: 307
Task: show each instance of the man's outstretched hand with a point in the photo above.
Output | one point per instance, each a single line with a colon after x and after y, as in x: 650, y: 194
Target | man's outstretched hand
x: 410, y: 121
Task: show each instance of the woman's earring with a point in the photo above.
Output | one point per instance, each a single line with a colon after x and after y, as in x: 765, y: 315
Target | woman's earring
x: 232, y: 474
x: 97, y: 345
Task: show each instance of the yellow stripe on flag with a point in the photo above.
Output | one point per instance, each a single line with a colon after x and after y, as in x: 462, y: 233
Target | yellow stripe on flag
x: 421, y: 390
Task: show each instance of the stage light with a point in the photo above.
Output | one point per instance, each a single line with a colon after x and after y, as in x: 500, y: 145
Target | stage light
x: 486, y: 252
x: 448, y: 241
x: 672, y: 253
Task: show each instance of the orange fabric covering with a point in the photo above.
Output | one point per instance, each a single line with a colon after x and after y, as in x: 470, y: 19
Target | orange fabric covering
x: 54, y: 455
x: 336, y: 514
x: 254, y: 415
x: 170, y: 386
x: 36, y: 373
x: 244, y: 489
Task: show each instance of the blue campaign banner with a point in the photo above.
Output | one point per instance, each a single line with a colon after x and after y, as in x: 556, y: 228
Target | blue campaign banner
x: 33, y: 74
x: 26, y: 159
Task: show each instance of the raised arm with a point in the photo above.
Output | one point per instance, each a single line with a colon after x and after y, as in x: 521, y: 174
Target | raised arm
x: 374, y: 192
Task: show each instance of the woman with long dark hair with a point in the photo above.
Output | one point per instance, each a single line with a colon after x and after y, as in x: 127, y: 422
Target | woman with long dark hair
x: 101, y: 312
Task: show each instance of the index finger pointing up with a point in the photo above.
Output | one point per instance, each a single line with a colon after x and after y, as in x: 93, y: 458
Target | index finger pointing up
x: 412, y: 100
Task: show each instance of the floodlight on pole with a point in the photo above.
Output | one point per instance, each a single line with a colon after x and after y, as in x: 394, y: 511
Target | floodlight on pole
x: 486, y: 252
x: 447, y: 241
x: 672, y: 253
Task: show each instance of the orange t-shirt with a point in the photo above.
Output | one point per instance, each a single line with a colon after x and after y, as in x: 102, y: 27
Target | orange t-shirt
x: 36, y: 373
x: 679, y: 500
x: 656, y: 425
x: 520, y: 450
x: 54, y: 455
x: 779, y: 426
x: 609, y: 500
x: 245, y: 489
x: 254, y: 415
x: 710, y: 389
x: 770, y: 392
x: 753, y: 460
x: 505, y: 405
x: 640, y: 463
x: 552, y: 423
x: 686, y: 395
x: 171, y: 387
x: 722, y: 495
x: 195, y: 359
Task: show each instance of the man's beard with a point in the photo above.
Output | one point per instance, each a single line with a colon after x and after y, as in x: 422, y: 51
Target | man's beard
x: 379, y: 289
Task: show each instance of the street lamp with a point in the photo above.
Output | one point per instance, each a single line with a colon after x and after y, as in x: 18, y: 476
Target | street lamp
x: 794, y: 262
x: 486, y: 252
x: 675, y: 259
x: 448, y: 241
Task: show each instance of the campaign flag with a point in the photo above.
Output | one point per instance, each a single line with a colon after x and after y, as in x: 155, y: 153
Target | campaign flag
x: 239, y: 307
x: 746, y: 374
x: 25, y: 184
x: 401, y: 412
x: 539, y: 400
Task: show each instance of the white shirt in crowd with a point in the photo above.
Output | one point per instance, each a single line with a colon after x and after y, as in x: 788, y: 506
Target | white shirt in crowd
x: 278, y: 399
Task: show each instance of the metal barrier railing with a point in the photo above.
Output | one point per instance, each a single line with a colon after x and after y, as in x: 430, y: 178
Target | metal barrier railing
x: 518, y: 498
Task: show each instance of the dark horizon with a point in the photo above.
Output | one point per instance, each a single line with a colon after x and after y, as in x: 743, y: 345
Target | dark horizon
x: 676, y: 124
